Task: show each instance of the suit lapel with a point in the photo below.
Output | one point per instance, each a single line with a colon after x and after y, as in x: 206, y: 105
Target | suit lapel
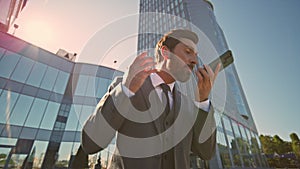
x: 176, y: 99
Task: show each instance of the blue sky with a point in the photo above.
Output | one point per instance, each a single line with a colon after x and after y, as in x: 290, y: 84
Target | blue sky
x: 265, y: 39
x: 263, y: 35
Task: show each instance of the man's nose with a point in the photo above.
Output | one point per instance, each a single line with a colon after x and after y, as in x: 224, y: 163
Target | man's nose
x: 194, y: 59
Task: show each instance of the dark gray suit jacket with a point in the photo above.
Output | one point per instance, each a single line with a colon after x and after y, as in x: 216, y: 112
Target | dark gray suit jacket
x: 102, y: 125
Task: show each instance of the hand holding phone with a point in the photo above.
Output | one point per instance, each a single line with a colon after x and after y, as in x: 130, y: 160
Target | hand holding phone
x: 225, y: 59
x: 204, y: 88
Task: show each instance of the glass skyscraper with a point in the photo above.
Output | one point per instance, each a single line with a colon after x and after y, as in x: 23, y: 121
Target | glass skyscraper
x: 237, y: 136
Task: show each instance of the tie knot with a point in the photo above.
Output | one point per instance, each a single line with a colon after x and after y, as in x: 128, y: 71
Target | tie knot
x: 165, y: 87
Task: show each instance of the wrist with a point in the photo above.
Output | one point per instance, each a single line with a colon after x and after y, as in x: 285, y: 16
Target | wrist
x: 203, y: 99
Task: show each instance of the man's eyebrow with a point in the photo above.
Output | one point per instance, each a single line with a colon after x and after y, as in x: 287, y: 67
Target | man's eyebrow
x: 191, y: 48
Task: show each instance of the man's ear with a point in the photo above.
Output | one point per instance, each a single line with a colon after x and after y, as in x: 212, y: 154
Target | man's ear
x: 165, y: 52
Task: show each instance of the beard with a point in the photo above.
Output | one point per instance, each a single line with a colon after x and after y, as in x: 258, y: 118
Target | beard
x: 178, y: 69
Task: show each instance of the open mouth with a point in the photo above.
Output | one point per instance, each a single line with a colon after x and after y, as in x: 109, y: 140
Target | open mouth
x: 191, y: 67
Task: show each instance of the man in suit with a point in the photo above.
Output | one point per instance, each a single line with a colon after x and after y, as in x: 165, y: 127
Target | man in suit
x: 157, y: 124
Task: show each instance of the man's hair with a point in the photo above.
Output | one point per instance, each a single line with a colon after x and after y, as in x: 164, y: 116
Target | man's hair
x: 171, y: 39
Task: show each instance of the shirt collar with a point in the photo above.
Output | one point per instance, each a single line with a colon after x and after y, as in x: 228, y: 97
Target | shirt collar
x: 157, y: 80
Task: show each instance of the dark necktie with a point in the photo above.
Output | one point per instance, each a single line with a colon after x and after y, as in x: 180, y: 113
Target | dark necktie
x: 168, y: 161
x: 166, y: 89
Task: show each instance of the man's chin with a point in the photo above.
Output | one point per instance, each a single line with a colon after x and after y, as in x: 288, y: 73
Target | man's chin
x: 183, y: 76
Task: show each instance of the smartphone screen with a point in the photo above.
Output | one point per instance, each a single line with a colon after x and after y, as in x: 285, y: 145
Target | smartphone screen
x: 225, y: 59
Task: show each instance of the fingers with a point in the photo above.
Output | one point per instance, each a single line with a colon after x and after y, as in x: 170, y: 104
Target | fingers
x: 143, y: 63
x: 140, y: 59
x: 138, y: 71
x: 217, y: 70
x: 209, y: 71
x: 213, y: 74
x: 206, y: 74
x: 142, y: 55
x: 147, y: 65
x: 202, y: 74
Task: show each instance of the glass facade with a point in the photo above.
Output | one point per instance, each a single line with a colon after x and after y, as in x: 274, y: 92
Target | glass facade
x: 156, y: 17
x: 238, y: 145
x: 44, y: 101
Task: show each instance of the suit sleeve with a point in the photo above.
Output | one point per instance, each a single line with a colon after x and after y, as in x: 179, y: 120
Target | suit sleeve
x: 100, y: 128
x: 204, y: 135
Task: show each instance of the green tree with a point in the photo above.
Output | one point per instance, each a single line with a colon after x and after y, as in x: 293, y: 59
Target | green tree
x: 281, y: 146
x: 275, y: 148
x: 267, y: 144
x: 295, y: 145
x: 3, y: 159
x: 3, y: 156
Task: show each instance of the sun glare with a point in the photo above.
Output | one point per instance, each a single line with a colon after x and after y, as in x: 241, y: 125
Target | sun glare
x: 37, y: 32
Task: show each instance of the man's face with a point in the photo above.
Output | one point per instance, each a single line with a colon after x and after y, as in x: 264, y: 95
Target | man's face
x: 182, y: 60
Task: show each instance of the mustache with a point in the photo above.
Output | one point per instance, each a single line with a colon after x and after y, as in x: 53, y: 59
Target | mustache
x: 191, y: 66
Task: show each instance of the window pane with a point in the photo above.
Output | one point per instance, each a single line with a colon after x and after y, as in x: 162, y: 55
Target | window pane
x: 236, y: 129
x: 50, y: 115
x: 20, y: 159
x: 102, y: 86
x: 8, y: 63
x: 8, y: 141
x: 2, y: 50
x: 4, y: 155
x: 21, y: 110
x: 49, y: 78
x: 36, y: 113
x: 64, y: 154
x: 64, y: 110
x: 75, y: 148
x: 22, y: 70
x: 39, y: 147
x: 232, y: 142
x: 245, y: 152
x: 251, y: 157
x: 59, y: 125
x: 218, y: 119
x: 85, y: 113
x: 37, y: 74
x: 81, y: 85
x: 7, y: 102
x: 61, y: 82
x: 90, y: 91
x: 223, y: 149
x: 237, y: 94
x: 255, y: 150
x: 238, y: 141
x: 28, y: 133
x: 73, y: 119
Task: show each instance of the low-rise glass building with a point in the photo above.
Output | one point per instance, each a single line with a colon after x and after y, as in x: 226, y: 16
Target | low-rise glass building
x: 44, y: 100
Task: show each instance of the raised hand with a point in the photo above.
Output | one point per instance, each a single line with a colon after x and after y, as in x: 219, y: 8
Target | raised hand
x: 206, y: 77
x: 138, y: 71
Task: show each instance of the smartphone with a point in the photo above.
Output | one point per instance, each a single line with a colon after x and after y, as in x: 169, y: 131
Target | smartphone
x: 225, y: 59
